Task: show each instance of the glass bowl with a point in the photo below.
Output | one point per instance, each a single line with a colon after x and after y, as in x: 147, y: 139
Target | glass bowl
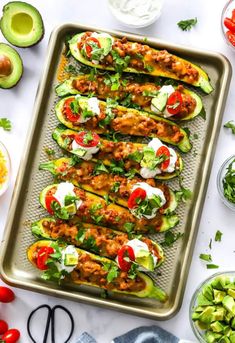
x: 227, y: 12
x: 220, y: 176
x: 6, y: 156
x: 196, y: 330
x: 128, y: 17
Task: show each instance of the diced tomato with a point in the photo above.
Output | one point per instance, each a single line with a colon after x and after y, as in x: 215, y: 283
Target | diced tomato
x: 67, y: 110
x: 87, y: 139
x: 230, y: 24
x: 233, y: 15
x: 125, y: 257
x: 174, y: 103
x: 163, y: 150
x: 88, y: 46
x: 136, y: 195
x: 48, y: 200
x: 43, y: 255
x: 231, y: 37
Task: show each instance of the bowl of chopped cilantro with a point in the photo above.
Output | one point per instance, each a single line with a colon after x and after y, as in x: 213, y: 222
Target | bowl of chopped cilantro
x: 226, y: 182
x: 4, y: 169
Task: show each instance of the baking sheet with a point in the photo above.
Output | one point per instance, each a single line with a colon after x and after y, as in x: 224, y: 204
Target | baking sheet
x: 25, y: 208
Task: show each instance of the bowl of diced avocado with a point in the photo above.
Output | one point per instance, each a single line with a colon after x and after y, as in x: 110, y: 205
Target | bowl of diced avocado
x: 212, y: 309
x: 226, y: 182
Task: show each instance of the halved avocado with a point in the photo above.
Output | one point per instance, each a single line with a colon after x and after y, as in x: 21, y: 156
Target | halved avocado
x: 67, y: 88
x: 11, y: 66
x: 150, y: 290
x: 184, y: 143
x: 60, y: 133
x: 95, y: 207
x: 21, y: 24
x: 88, y: 185
x: 202, y: 82
x: 71, y: 237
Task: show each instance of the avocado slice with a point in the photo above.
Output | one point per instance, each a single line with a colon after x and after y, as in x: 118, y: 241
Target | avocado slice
x: 212, y: 337
x: 231, y: 292
x: 229, y: 304
x: 21, y: 24
x: 206, y: 315
x: 70, y: 260
x: 11, y: 66
x: 217, y: 327
x: 218, y: 296
x: 150, y: 290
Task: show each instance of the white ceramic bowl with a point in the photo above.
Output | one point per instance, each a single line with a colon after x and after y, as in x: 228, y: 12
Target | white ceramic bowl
x: 220, y: 176
x: 119, y: 13
x: 227, y: 12
x: 4, y: 186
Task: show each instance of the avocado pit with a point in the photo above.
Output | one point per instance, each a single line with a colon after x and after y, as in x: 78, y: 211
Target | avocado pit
x: 5, y: 66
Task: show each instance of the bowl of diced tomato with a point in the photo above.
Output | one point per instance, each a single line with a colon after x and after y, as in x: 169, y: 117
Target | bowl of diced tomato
x: 228, y: 23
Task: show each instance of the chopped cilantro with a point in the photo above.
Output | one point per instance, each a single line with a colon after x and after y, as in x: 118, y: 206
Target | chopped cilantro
x: 5, y: 124
x: 149, y: 68
x: 230, y: 125
x: 106, y: 198
x: 115, y: 187
x: 120, y: 63
x: 205, y: 257
x: 94, y: 215
x: 229, y: 182
x: 218, y: 236
x: 183, y: 194
x: 117, y: 167
x: 210, y: 244
x: 100, y: 168
x: 145, y: 39
x: 129, y: 227
x: 131, y: 173
x: 81, y: 235
x: 187, y: 24
x: 71, y: 69
x: 49, y: 152
x: 136, y: 156
x: 170, y: 238
x: 74, y: 105
x: 132, y: 273
x: 88, y: 137
x: 150, y: 160
x: 112, y: 270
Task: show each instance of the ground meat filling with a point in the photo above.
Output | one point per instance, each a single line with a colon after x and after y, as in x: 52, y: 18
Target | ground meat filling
x: 142, y: 57
x: 83, y: 175
x: 92, y: 272
x: 105, y: 240
x: 110, y: 215
x: 84, y: 86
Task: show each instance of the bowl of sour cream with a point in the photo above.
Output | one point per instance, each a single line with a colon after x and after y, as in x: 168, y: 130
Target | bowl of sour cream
x: 4, y: 169
x: 136, y: 13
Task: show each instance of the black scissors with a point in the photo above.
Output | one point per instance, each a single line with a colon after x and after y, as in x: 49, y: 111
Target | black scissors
x: 50, y: 320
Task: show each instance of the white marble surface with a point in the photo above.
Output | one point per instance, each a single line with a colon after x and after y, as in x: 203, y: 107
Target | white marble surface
x: 17, y: 104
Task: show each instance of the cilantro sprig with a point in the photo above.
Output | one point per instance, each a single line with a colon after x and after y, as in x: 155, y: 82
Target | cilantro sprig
x: 186, y: 25
x: 229, y: 182
x: 230, y: 125
x: 5, y: 124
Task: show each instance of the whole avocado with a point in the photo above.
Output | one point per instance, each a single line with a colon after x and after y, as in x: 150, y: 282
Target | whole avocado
x: 21, y: 24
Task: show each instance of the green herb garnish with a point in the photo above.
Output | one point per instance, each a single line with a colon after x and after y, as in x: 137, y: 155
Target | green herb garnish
x: 170, y: 238
x: 218, y: 236
x: 230, y: 125
x: 229, y: 182
x: 187, y: 24
x: 205, y: 257
x: 115, y: 187
x: 212, y: 266
x: 5, y: 124
x: 50, y: 152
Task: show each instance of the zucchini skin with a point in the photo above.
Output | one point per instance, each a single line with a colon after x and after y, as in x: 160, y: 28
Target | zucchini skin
x: 184, y: 144
x: 202, y: 82
x: 39, y: 231
x: 57, y: 136
x: 150, y: 290
x: 53, y: 167
x: 111, y: 211
x: 66, y: 88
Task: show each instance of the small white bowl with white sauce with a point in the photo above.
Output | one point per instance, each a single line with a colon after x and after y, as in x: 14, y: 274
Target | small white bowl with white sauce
x: 136, y: 13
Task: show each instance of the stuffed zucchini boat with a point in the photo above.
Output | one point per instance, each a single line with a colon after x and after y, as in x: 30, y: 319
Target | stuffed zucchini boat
x: 79, y: 113
x: 152, y: 160
x: 101, y: 50
x: 66, y: 201
x: 146, y: 254
x: 176, y: 103
x: 67, y: 264
x: 116, y: 188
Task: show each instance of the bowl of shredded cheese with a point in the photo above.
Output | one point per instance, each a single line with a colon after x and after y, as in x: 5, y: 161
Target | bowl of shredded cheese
x: 4, y: 169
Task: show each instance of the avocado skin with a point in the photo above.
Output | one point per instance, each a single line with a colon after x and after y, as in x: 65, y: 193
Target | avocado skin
x: 17, y: 61
x: 5, y: 9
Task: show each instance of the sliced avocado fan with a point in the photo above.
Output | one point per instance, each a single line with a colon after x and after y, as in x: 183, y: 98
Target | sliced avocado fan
x: 11, y: 66
x: 21, y: 24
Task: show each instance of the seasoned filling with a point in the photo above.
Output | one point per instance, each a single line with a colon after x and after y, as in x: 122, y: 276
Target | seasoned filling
x: 110, y: 215
x: 113, y: 151
x: 137, y: 93
x: 126, y: 121
x: 145, y: 59
x: 100, y: 240
x: 90, y: 271
x: 116, y: 186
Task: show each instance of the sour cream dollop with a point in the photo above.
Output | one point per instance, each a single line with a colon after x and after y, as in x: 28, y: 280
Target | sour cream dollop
x: 71, y: 250
x: 150, y: 192
x: 155, y: 144
x: 138, y: 246
x: 65, y: 189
